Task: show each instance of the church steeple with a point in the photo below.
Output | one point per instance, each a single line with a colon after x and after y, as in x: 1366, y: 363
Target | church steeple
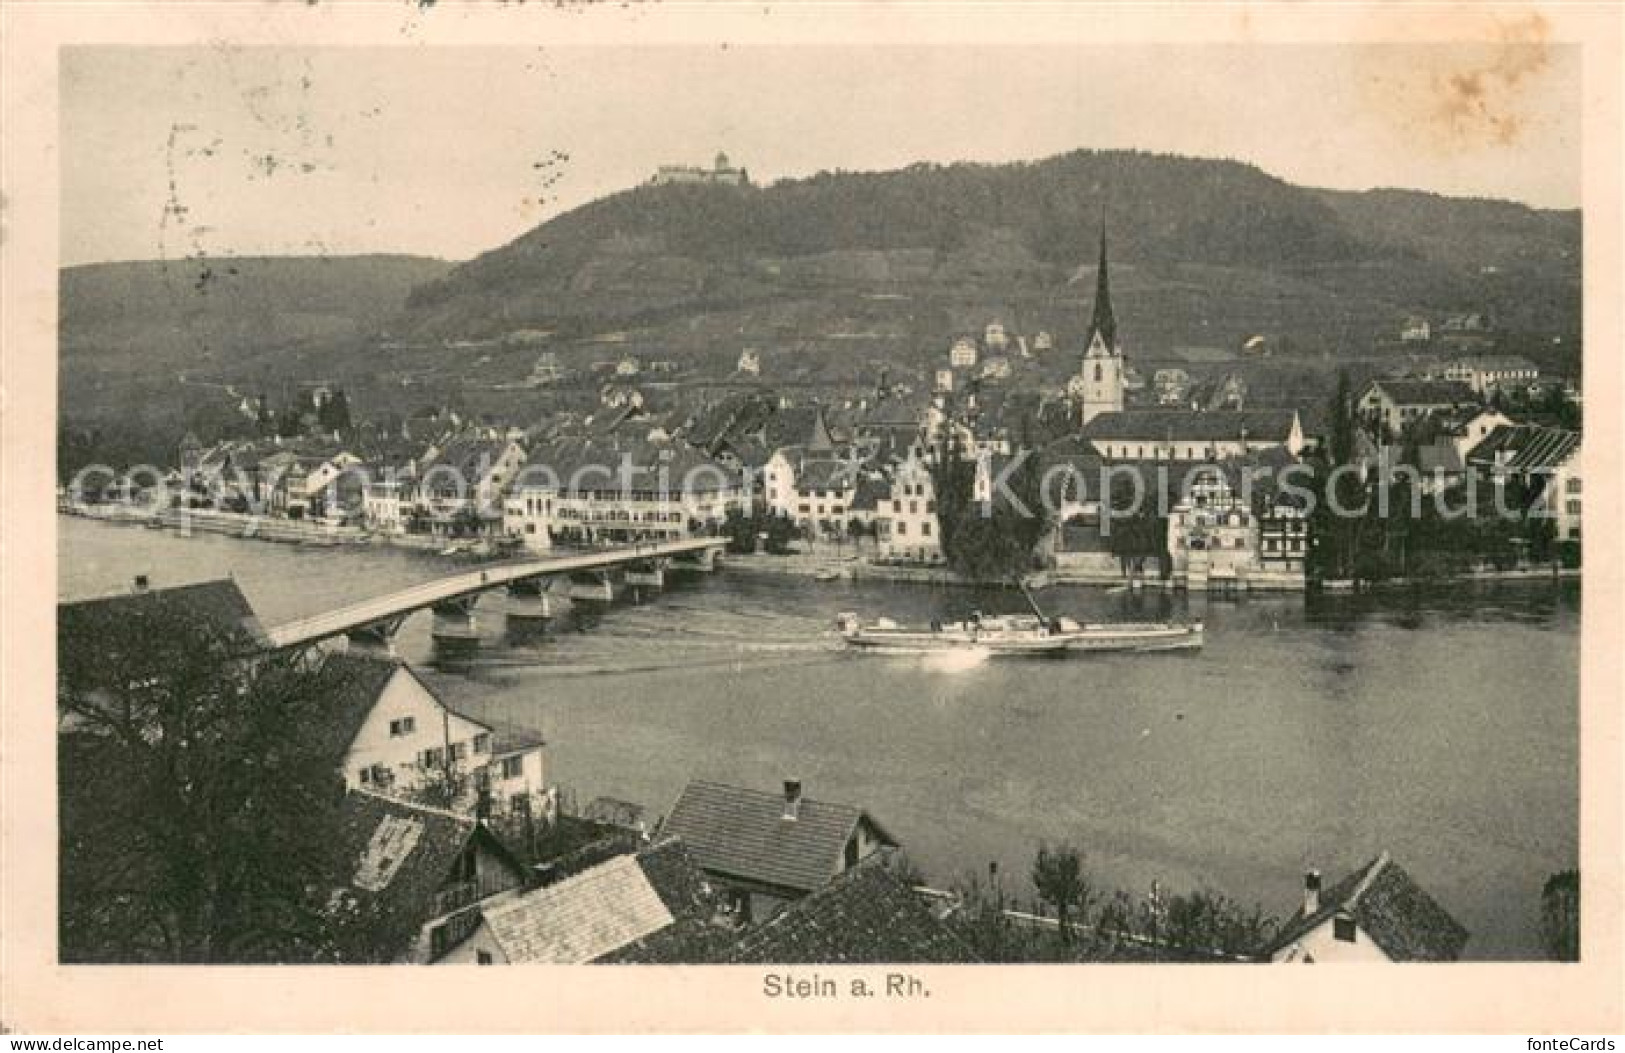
x: 1104, y: 321
x: 1099, y: 385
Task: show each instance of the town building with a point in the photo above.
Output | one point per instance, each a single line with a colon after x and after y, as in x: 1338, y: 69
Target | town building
x: 906, y: 526
x: 1489, y: 373
x: 1377, y: 914
x: 546, y: 371
x: 1397, y: 404
x: 994, y: 337
x: 1547, y: 461
x: 1171, y: 386
x: 1178, y: 435
x: 613, y: 490
x: 750, y: 362
x: 765, y: 850
x: 1416, y: 330
x: 460, y: 485
x: 963, y: 353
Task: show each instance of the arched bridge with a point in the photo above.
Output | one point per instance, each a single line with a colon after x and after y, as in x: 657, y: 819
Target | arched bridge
x: 380, y: 617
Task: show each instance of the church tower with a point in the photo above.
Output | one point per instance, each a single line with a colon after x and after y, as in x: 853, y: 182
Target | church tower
x: 1099, y: 383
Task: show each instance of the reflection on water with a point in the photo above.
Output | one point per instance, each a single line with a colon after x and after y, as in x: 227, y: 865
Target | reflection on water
x: 1442, y: 727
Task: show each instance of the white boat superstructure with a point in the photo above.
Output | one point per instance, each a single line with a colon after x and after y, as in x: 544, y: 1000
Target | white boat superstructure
x: 1017, y: 634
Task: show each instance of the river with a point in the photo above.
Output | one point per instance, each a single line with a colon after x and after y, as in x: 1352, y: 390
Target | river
x: 1442, y: 728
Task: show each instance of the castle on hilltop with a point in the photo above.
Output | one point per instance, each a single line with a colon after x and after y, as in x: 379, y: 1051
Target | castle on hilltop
x: 721, y: 173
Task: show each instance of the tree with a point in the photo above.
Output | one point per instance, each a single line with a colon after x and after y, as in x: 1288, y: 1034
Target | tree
x: 196, y: 823
x: 1060, y: 881
x: 1209, y: 923
x: 1560, y: 916
x: 740, y: 530
x: 334, y: 414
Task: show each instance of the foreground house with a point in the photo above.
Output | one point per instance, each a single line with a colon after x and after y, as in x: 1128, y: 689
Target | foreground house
x: 765, y: 850
x: 867, y: 915
x: 88, y: 632
x: 390, y: 734
x: 591, y: 914
x: 1376, y: 914
x: 413, y: 877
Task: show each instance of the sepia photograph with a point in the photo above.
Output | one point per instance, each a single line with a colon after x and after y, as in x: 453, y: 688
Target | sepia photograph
x: 730, y: 502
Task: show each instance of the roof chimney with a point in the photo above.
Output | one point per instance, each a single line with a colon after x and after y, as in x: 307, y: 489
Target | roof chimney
x: 792, y: 799
x: 1311, y: 892
x: 140, y: 584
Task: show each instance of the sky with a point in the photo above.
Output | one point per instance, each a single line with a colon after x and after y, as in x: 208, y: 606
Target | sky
x: 450, y: 152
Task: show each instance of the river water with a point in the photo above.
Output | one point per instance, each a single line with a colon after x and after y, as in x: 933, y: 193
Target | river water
x: 1306, y: 733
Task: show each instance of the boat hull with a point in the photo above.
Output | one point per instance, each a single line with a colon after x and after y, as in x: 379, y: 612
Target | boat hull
x: 1090, y: 640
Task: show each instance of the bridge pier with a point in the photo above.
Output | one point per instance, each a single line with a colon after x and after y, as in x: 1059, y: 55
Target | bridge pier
x: 529, y: 609
x: 596, y: 586
x: 647, y: 574
x: 376, y: 638
x: 455, y: 629
x: 704, y: 561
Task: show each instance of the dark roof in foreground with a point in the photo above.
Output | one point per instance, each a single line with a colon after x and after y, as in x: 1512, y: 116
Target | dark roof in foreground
x: 868, y: 915
x: 1398, y: 915
x: 219, y: 605
x: 743, y: 833
x: 350, y: 686
x: 395, y: 856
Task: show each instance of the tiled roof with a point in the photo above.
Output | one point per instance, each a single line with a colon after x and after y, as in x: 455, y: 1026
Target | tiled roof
x: 1525, y: 447
x: 597, y: 464
x: 1159, y: 425
x: 870, y: 492
x: 1398, y: 915
x: 217, y: 607
x: 1426, y: 392
x: 866, y: 916
x: 395, y: 856
x: 826, y: 474
x: 508, y: 739
x: 582, y: 917
x: 470, y: 456
x: 743, y: 834
x: 349, y: 686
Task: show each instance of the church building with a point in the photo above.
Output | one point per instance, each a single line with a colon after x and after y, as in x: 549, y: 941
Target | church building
x: 1098, y: 387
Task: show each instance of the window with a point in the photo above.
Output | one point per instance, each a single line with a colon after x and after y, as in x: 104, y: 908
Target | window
x: 513, y: 767
x: 925, y: 529
x: 459, y: 750
x: 1572, y: 485
x: 1343, y: 928
x: 482, y: 742
x: 366, y: 776
x: 403, y: 726
x: 433, y: 757
x: 902, y: 529
x: 482, y: 957
x: 1573, y: 507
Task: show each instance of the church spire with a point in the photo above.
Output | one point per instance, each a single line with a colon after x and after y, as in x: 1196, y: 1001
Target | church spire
x: 1104, y: 321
